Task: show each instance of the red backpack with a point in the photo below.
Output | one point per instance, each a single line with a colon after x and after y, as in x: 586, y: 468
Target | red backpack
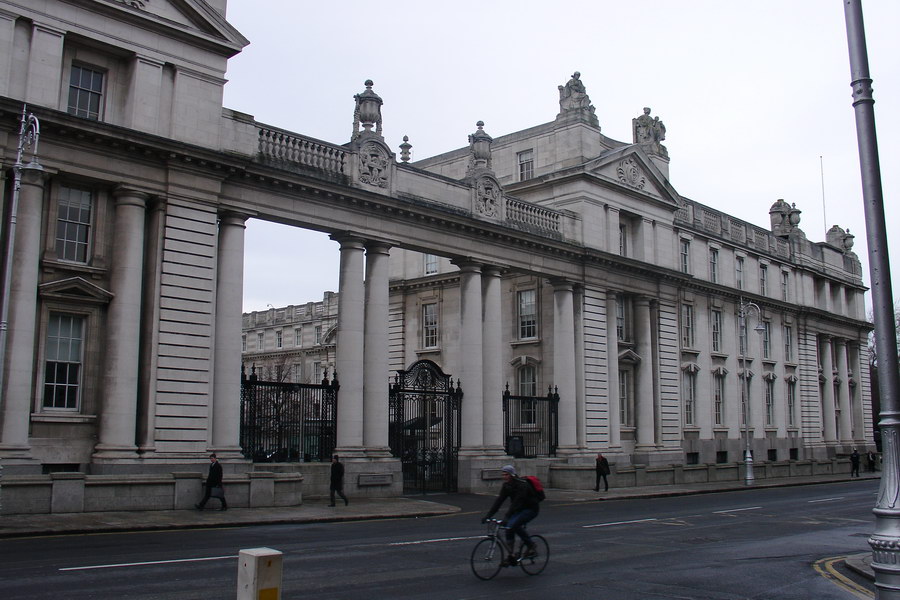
x: 536, y: 486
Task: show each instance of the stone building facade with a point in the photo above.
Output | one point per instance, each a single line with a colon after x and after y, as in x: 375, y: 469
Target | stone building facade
x: 555, y: 248
x: 292, y: 343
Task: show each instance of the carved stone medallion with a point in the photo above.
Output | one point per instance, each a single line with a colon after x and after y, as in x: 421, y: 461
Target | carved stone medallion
x: 487, y: 197
x: 630, y: 173
x: 374, y: 165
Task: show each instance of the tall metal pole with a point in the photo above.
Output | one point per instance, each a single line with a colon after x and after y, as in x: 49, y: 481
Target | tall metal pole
x: 29, y: 133
x: 885, y: 541
x: 745, y: 386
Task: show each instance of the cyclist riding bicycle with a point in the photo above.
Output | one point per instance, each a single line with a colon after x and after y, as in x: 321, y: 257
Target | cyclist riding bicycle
x: 523, y: 507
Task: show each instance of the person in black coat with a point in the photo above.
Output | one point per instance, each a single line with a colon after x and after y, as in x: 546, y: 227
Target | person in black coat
x: 523, y: 507
x: 337, y: 480
x: 854, y: 463
x: 213, y: 480
x: 602, y: 469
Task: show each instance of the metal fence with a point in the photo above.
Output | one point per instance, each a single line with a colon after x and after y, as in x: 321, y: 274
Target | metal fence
x: 288, y: 422
x: 531, y: 424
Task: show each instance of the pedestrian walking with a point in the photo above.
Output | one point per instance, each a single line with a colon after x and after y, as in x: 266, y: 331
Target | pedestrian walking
x: 213, y: 487
x: 602, y: 470
x: 870, y: 461
x: 337, y: 480
x: 854, y: 463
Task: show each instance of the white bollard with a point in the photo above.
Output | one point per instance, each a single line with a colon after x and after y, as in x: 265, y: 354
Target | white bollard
x: 259, y: 574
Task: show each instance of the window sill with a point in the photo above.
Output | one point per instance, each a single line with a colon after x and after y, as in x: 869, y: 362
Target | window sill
x: 690, y: 351
x: 720, y: 355
x: 528, y: 342
x: 51, y: 265
x: 428, y: 351
x: 62, y: 417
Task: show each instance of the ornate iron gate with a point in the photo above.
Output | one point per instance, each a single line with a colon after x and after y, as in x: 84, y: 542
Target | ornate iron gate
x: 288, y: 422
x: 424, y: 427
x: 531, y: 424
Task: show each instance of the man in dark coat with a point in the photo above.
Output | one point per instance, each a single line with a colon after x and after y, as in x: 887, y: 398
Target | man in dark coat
x: 523, y: 507
x: 337, y: 480
x: 602, y: 471
x: 213, y: 480
x: 854, y: 463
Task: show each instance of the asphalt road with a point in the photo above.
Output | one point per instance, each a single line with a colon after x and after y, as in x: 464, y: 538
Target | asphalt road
x: 759, y: 544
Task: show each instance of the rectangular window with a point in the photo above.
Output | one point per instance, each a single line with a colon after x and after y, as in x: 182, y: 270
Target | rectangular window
x: 527, y: 301
x: 685, y: 256
x: 766, y: 340
x: 689, y: 392
x: 318, y: 332
x: 716, y: 331
x: 259, y: 340
x: 788, y: 336
x: 243, y: 343
x: 791, y: 402
x: 719, y: 398
x: 739, y: 272
x: 626, y: 413
x: 687, y: 326
x: 742, y: 337
x: 85, y: 92
x: 526, y: 164
x: 318, y: 376
x: 623, y: 239
x: 297, y: 373
x: 429, y: 325
x: 73, y: 224
x: 785, y: 282
x: 430, y: 266
x: 298, y: 337
x: 62, y: 367
x: 763, y: 280
x: 770, y: 402
x: 528, y: 387
x: 279, y: 339
x: 714, y: 265
x: 622, y: 332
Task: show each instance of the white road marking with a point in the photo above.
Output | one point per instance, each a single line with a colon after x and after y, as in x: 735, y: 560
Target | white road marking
x: 825, y: 500
x: 150, y: 562
x: 719, y: 512
x: 618, y: 523
x: 435, y: 540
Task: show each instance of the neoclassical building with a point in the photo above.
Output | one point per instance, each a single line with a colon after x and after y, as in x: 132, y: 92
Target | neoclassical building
x: 551, y: 257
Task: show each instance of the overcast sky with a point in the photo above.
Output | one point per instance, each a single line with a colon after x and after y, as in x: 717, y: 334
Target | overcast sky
x: 755, y: 97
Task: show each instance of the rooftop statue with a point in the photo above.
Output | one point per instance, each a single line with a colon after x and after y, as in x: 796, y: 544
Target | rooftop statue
x: 573, y: 97
x: 649, y: 132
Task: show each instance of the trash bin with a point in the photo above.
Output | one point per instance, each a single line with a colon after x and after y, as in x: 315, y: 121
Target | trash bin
x: 515, y: 446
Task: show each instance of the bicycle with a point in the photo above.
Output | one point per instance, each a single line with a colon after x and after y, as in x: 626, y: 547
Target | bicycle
x: 491, y: 553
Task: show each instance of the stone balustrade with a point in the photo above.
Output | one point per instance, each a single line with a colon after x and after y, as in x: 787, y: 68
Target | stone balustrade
x: 283, y: 148
x: 532, y: 217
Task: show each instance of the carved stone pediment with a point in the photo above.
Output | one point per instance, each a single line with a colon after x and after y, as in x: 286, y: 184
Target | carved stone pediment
x: 487, y: 198
x: 631, y: 168
x: 629, y: 172
x: 629, y: 356
x: 75, y: 289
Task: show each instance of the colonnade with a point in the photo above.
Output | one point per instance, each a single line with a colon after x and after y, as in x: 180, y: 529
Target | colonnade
x: 841, y: 408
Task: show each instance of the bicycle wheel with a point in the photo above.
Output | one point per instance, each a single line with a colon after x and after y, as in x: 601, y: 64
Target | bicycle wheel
x: 486, y: 558
x: 537, y: 563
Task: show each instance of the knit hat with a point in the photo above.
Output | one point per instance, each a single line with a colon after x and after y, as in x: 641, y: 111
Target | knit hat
x: 508, y: 469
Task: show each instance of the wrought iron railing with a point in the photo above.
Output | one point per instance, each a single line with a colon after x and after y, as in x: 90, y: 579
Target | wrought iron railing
x: 531, y: 424
x: 288, y: 422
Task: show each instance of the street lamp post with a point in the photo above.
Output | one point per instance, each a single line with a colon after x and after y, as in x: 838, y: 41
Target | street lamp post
x: 744, y: 341
x: 29, y: 132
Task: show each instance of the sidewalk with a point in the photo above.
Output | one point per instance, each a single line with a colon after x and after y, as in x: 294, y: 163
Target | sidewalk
x: 316, y: 510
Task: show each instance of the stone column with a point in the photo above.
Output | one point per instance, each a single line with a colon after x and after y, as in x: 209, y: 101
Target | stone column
x: 376, y: 379
x: 612, y: 354
x: 845, y: 435
x: 828, y: 408
x: 226, y: 409
x: 564, y: 364
x: 580, y: 407
x: 471, y: 347
x: 492, y: 385
x: 21, y: 320
x: 349, y: 351
x: 645, y: 420
x: 118, y: 417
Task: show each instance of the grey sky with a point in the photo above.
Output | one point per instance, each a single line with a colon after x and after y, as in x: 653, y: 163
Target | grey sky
x: 752, y: 94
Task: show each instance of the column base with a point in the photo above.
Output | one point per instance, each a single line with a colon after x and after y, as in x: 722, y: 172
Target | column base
x: 226, y: 452
x: 379, y: 453
x: 108, y: 453
x: 350, y: 452
x: 494, y: 451
x: 10, y: 453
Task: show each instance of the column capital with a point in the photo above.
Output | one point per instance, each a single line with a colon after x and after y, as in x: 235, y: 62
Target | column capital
x: 378, y: 247
x: 233, y: 218
x: 467, y: 265
x: 32, y: 174
x: 562, y: 284
x: 126, y: 194
x: 492, y: 271
x: 348, y: 240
